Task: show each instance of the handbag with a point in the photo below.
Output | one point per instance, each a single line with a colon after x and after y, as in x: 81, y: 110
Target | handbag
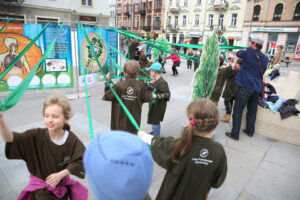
x: 262, y: 92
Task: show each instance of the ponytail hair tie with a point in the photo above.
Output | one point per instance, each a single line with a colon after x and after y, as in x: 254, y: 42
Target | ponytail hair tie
x: 192, y: 122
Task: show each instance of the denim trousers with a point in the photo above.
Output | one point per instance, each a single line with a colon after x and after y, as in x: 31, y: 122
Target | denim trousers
x: 155, y: 129
x: 243, y: 97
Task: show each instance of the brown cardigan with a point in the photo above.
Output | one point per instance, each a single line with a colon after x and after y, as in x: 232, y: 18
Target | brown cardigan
x: 278, y: 59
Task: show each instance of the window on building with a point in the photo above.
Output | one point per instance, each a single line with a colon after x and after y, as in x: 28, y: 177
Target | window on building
x: 158, y: 4
x: 256, y: 13
x: 198, y: 2
x: 233, y: 19
x: 149, y: 5
x: 143, y: 22
x: 278, y: 12
x: 174, y: 38
x: 136, y: 7
x: 86, y: 2
x: 42, y: 20
x: 168, y: 37
x: 185, y: 3
x: 149, y: 21
x: 196, y: 20
x: 16, y: 18
x: 297, y: 12
x: 181, y: 38
x: 177, y: 3
x: 130, y: 9
x: 291, y: 42
x: 212, y: 1
x: 170, y: 3
x: 135, y: 22
x: 125, y: 9
x: 210, y: 20
x: 184, y: 20
x: 221, y: 20
x: 235, y: 1
x: 169, y: 20
x: 176, y: 21
x: 129, y: 23
x: 125, y: 22
x: 144, y: 6
x: 157, y: 22
x: 119, y: 22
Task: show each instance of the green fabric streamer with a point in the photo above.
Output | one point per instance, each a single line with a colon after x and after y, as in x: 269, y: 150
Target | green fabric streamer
x: 85, y: 85
x: 13, y: 98
x: 12, y: 64
x: 4, y: 25
x: 205, y: 75
x: 139, y: 77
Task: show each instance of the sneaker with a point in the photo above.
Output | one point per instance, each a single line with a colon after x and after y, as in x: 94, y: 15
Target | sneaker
x: 228, y: 134
x: 245, y: 131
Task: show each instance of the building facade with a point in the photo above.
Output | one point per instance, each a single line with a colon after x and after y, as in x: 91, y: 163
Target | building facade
x: 55, y: 11
x: 192, y: 20
x: 141, y: 16
x: 277, y: 22
x: 112, y: 11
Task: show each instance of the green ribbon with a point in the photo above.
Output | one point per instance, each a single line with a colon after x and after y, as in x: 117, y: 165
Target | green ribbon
x: 12, y: 64
x: 13, y: 98
x: 149, y: 42
x: 139, y: 77
x: 4, y: 25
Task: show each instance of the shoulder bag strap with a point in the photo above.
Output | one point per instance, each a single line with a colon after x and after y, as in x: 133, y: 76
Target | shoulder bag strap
x: 260, y: 67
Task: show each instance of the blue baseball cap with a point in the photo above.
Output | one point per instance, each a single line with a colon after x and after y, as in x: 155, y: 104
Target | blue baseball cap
x: 155, y: 66
x: 118, y: 166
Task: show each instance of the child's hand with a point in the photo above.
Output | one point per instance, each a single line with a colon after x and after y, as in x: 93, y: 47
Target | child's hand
x: 54, y: 179
x: 154, y: 96
x: 108, y: 76
x: 141, y: 133
x: 152, y: 81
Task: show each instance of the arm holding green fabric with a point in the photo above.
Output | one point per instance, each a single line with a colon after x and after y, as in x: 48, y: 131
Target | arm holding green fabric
x: 5, y: 130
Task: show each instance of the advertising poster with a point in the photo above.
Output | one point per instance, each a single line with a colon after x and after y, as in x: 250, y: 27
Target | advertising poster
x: 55, y: 72
x: 86, y: 59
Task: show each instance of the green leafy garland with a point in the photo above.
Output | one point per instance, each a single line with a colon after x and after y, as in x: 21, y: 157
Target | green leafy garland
x: 205, y: 76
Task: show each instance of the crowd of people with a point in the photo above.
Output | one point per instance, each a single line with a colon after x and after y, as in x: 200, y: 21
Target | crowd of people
x: 118, y: 163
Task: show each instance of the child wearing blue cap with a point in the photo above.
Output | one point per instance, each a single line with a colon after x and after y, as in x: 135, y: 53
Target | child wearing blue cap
x: 194, y: 162
x: 119, y: 166
x: 162, y: 94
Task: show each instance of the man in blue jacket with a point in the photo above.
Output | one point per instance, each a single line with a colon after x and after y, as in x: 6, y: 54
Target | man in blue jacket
x: 249, y: 79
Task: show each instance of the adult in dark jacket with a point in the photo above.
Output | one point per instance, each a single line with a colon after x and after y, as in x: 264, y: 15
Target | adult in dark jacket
x: 249, y: 78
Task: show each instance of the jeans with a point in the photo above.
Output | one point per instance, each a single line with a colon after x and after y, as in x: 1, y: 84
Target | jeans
x: 275, y: 73
x: 228, y: 106
x: 155, y: 129
x: 243, y: 97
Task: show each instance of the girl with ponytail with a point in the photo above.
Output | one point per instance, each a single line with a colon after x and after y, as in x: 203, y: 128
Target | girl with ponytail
x: 194, y: 162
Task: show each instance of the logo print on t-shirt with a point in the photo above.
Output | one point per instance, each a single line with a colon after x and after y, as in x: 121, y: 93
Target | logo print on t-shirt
x: 129, y: 90
x: 204, y: 153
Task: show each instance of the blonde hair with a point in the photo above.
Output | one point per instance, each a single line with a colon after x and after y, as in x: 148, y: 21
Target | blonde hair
x: 131, y: 68
x: 205, y: 114
x: 60, y: 100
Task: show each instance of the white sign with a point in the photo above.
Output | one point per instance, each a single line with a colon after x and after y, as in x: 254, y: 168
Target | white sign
x: 275, y: 29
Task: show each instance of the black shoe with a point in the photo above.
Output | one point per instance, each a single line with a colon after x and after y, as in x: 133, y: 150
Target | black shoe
x: 228, y: 134
x: 245, y: 131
